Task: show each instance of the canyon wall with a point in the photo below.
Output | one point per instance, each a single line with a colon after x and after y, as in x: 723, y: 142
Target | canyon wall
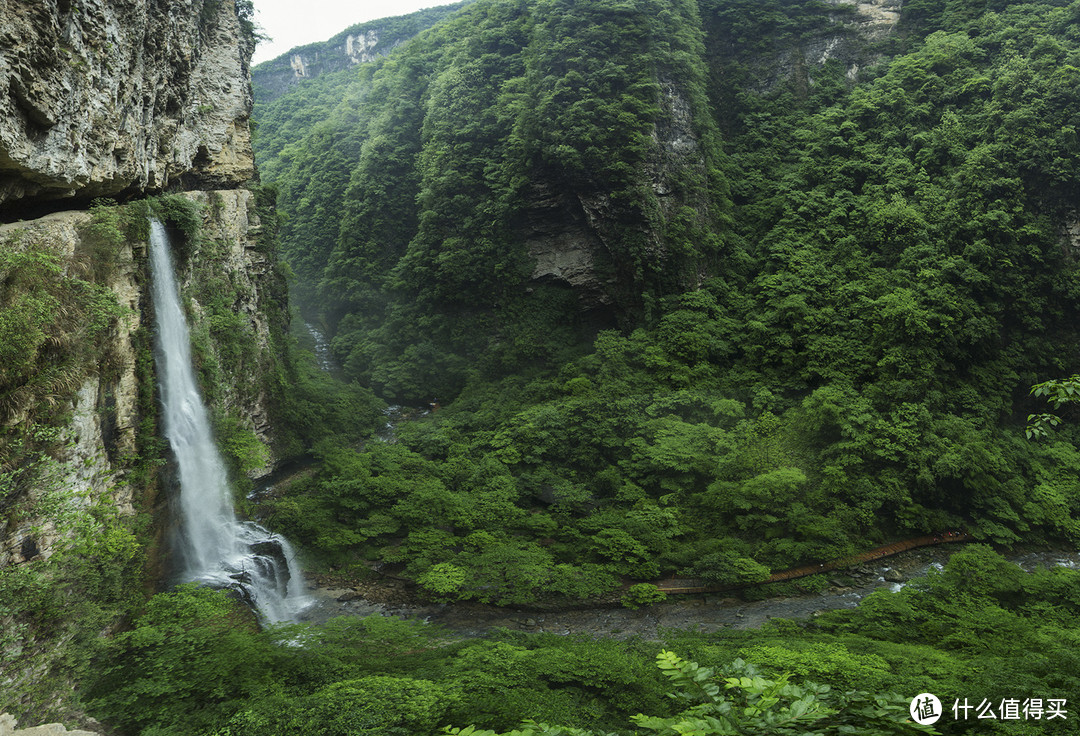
x: 121, y: 97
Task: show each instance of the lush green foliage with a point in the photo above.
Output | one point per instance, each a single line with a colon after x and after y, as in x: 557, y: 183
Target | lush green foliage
x: 54, y: 610
x: 189, y: 651
x: 744, y: 702
x: 405, y: 186
x: 643, y: 594
x: 979, y: 629
x: 53, y: 314
x: 825, y: 344
x: 194, y: 663
x: 1058, y: 392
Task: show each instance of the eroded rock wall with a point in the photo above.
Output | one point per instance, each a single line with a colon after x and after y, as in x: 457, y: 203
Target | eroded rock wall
x: 103, y: 457
x: 121, y: 97
x: 99, y: 438
x: 99, y: 435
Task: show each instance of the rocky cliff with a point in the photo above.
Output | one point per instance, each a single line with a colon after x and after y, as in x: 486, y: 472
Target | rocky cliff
x: 121, y: 97
x: 102, y: 396
x: 80, y: 455
x: 94, y: 402
x: 239, y: 313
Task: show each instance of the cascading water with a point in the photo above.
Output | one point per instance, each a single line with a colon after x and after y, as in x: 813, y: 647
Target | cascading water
x: 213, y: 547
x: 323, y: 355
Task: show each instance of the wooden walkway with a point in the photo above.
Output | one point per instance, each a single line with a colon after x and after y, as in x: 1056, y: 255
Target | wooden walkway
x: 694, y: 585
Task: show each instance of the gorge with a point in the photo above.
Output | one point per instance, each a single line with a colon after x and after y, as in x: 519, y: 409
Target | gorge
x: 646, y: 289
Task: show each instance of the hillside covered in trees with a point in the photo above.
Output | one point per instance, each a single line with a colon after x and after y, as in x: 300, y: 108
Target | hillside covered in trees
x: 701, y: 288
x: 616, y: 290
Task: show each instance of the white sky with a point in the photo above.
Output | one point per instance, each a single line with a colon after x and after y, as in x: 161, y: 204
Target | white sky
x: 292, y: 23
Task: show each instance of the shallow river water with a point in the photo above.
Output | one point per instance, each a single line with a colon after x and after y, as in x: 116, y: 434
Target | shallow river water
x: 706, y: 613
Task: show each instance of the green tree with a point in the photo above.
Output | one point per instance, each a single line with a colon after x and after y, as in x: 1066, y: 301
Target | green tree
x: 1058, y: 392
x: 190, y: 659
x: 742, y: 701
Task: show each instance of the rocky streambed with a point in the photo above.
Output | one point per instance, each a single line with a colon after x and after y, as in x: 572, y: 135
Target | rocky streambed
x: 706, y: 613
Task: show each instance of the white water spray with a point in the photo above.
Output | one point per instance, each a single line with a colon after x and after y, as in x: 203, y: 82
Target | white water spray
x: 214, y: 547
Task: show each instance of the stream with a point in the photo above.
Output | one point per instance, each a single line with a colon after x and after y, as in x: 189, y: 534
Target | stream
x: 321, y: 347
x: 705, y: 613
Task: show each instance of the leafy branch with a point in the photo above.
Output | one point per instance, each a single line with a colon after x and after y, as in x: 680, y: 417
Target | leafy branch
x: 1057, y: 391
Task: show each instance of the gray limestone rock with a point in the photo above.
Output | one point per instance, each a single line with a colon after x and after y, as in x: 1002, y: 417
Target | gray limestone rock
x: 893, y: 576
x: 119, y: 97
x: 9, y: 727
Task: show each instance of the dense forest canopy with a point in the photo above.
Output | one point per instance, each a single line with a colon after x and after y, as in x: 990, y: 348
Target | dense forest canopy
x: 816, y: 290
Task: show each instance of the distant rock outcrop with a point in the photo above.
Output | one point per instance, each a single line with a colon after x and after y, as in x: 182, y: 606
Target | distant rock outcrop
x: 357, y: 44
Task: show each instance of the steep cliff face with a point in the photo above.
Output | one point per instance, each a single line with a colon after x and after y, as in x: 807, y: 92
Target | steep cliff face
x: 97, y: 442
x: 102, y: 394
x: 574, y: 236
x: 121, y: 97
x: 871, y: 21
x: 80, y: 455
x: 570, y: 236
x: 358, y: 46
x: 112, y: 98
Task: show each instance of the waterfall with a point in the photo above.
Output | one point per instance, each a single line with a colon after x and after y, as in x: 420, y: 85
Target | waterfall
x: 213, y: 547
x: 323, y: 356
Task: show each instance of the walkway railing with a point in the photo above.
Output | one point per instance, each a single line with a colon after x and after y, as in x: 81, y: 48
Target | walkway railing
x: 696, y: 585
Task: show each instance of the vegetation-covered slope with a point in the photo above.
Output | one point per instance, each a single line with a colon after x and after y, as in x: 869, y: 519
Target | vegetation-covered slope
x: 409, y: 202
x: 815, y: 332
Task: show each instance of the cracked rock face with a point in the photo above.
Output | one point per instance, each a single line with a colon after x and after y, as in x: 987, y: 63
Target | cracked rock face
x: 120, y: 97
x: 104, y: 405
x: 567, y: 233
